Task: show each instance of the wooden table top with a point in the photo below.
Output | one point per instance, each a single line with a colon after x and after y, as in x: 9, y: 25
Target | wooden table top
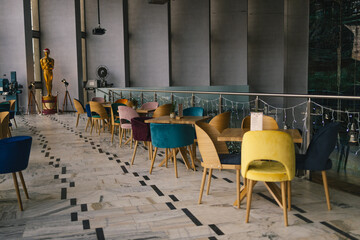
x: 138, y: 110
x: 236, y: 134
x: 183, y: 120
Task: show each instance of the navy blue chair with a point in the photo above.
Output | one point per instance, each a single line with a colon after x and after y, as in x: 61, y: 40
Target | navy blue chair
x: 193, y: 111
x: 14, y: 157
x: 215, y: 155
x: 173, y: 136
x: 318, y: 152
x: 88, y: 114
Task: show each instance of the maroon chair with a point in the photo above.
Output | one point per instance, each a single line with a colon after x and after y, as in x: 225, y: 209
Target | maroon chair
x: 141, y: 132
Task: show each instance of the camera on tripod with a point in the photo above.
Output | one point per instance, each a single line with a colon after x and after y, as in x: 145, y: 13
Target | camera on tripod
x: 32, y: 84
x: 65, y: 82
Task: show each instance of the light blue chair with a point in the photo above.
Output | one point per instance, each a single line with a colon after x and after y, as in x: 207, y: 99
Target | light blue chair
x: 172, y: 136
x: 14, y: 157
x: 193, y: 111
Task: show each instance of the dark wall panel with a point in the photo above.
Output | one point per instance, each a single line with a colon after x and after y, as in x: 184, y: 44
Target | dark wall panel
x: 190, y: 43
x: 266, y: 45
x: 148, y: 44
x: 228, y: 42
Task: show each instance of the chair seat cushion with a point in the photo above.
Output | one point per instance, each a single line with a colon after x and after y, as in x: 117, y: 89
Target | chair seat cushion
x: 95, y: 116
x: 117, y: 120
x: 301, y: 164
x: 233, y: 159
x: 267, y: 171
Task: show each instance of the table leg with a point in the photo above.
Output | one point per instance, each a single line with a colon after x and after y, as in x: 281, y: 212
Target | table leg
x: 183, y: 154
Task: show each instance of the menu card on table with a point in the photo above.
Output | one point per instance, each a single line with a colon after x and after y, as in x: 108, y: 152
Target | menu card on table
x: 256, y: 123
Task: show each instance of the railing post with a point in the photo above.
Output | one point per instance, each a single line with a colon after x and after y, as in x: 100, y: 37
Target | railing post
x: 142, y: 98
x: 113, y: 96
x: 256, y: 103
x: 121, y: 94
x: 192, y: 100
x: 109, y: 95
x: 130, y: 95
x: 155, y: 97
x: 308, y: 132
x: 220, y: 103
x: 172, y: 98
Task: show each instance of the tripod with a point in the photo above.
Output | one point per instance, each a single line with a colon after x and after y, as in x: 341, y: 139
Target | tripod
x: 65, y: 103
x: 31, y: 101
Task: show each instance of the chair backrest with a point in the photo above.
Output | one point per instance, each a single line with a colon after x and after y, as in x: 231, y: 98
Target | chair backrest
x: 163, y: 110
x: 78, y: 106
x: 221, y: 121
x: 4, y: 124
x: 115, y: 110
x: 171, y: 135
x: 4, y: 106
x: 98, y: 99
x: 213, y: 133
x: 150, y: 105
x: 99, y: 109
x: 321, y: 146
x: 207, y: 148
x: 268, y: 145
x: 88, y: 111
x: 140, y: 129
x: 12, y: 105
x: 122, y: 100
x: 127, y: 113
x: 269, y: 123
x: 14, y: 153
x: 193, y: 111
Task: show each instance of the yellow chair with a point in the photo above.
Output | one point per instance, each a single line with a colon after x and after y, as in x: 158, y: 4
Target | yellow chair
x: 98, y: 115
x: 215, y: 155
x: 269, y: 123
x: 163, y: 110
x: 4, y: 125
x: 221, y: 121
x: 79, y: 110
x: 12, y: 109
x: 268, y: 156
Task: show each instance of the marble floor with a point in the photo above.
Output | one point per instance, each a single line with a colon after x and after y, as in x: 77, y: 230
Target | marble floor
x: 82, y: 187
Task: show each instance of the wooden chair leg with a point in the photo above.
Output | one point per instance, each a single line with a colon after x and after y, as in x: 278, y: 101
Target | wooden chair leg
x: 133, y: 157
x: 153, y: 159
x: 15, y: 122
x: 17, y: 191
x: 92, y: 126
x: 77, y: 120
x: 121, y: 135
x: 326, y: 189
x: 87, y: 124
x: 289, y: 195
x: 202, y: 185
x: 209, y: 181
x: 23, y: 184
x: 112, y: 133
x: 175, y: 163
x: 150, y: 149
x: 238, y: 187
x: 283, y: 196
x: 131, y: 137
x: 248, y: 199
x: 192, y: 158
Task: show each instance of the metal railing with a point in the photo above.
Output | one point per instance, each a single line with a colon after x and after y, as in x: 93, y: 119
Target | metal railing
x: 118, y: 93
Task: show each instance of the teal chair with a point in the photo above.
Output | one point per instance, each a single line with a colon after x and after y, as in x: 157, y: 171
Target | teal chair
x: 193, y: 111
x: 172, y: 136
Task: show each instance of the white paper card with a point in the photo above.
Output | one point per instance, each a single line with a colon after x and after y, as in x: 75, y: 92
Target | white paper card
x: 256, y: 123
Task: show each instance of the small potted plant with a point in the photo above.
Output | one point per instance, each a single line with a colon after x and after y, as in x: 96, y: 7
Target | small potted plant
x: 134, y: 103
x: 172, y: 111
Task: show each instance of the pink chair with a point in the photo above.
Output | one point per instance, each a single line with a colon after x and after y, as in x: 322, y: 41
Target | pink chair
x: 150, y: 105
x: 126, y: 114
x: 98, y: 99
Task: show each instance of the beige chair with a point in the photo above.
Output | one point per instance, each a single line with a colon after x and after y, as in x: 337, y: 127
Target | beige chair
x: 4, y: 125
x: 210, y: 150
x: 79, y: 110
x: 221, y: 121
x: 12, y: 108
x: 163, y: 110
x: 269, y: 123
x: 98, y: 115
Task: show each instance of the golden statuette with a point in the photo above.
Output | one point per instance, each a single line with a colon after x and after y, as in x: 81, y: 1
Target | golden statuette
x: 47, y: 65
